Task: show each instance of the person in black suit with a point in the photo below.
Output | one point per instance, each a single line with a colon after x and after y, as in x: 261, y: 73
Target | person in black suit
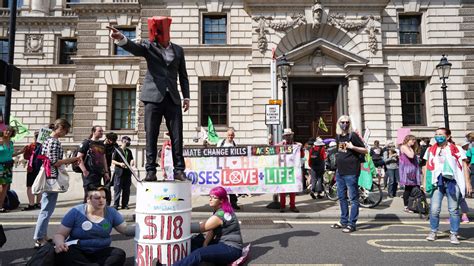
x: 159, y: 93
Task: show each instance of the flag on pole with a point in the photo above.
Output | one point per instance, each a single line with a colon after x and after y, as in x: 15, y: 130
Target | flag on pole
x: 322, y: 125
x: 21, y: 130
x: 211, y: 132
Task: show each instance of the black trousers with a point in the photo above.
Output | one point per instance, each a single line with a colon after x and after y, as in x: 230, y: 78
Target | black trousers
x: 122, y: 185
x: 406, y: 194
x: 106, y: 256
x: 154, y: 113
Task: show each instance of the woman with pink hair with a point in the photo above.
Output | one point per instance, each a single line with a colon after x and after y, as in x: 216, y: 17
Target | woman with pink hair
x: 223, y: 242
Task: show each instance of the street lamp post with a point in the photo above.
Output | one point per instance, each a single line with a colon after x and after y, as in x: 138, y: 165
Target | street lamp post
x: 444, y: 67
x: 283, y: 68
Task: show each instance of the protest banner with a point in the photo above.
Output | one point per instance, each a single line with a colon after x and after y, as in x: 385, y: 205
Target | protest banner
x: 243, y: 170
x: 43, y: 134
x: 401, y: 134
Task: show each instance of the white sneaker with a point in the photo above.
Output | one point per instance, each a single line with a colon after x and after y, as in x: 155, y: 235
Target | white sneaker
x: 454, y: 239
x: 431, y: 236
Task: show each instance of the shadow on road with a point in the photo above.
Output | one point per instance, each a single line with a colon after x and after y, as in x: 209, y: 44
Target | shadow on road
x: 389, y: 218
x: 258, y: 250
x: 13, y: 258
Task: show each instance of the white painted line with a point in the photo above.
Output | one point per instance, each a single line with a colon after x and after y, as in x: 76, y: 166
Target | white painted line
x: 388, y: 222
x: 27, y: 223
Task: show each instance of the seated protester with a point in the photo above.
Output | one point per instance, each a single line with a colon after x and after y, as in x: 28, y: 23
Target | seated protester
x: 90, y: 224
x: 223, y: 243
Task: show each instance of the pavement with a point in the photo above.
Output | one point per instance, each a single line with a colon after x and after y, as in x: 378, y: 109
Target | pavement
x: 254, y: 207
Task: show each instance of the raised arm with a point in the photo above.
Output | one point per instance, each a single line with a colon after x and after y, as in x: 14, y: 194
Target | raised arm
x: 122, y: 41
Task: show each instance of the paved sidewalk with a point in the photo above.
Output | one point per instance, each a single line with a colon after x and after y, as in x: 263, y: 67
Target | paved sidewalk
x: 253, y: 207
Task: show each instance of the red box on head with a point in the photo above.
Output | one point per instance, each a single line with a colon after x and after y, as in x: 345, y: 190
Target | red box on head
x: 159, y: 29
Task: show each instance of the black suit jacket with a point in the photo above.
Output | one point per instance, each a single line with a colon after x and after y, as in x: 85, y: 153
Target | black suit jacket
x: 159, y: 76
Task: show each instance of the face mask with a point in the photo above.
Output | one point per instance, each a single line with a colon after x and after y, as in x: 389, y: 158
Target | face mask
x: 440, y: 139
x: 344, y: 126
x: 128, y: 144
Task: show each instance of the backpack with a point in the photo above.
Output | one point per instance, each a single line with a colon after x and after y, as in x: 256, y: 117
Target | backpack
x: 315, y: 157
x: 11, y: 200
x: 35, y: 162
x: 417, y: 202
x: 75, y: 166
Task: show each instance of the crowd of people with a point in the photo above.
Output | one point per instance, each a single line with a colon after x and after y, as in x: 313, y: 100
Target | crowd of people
x: 439, y: 167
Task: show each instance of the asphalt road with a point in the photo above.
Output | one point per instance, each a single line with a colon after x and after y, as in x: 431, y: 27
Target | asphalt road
x: 307, y: 242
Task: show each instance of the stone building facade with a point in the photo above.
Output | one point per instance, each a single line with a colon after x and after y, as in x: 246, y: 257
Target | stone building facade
x: 372, y: 59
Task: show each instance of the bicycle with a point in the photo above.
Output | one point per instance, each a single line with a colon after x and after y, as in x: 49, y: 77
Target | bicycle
x: 367, y: 198
x: 329, y: 185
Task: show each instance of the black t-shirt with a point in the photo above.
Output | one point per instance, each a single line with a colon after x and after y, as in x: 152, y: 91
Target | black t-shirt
x: 109, y: 150
x: 376, y: 153
x: 127, y: 153
x: 347, y: 160
x: 93, y: 155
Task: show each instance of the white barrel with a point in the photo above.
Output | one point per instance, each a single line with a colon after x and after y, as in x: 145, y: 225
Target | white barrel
x: 163, y: 218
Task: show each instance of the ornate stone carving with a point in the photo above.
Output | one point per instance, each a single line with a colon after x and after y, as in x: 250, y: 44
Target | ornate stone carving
x: 336, y: 20
x: 263, y: 21
x: 297, y: 20
x: 317, y: 10
x: 34, y: 43
x: 372, y: 29
x: 369, y: 22
x: 262, y: 33
x: 318, y: 61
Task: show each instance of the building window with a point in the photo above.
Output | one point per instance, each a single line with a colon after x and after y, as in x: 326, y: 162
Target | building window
x: 413, y: 103
x: 4, y: 49
x: 214, y: 102
x: 65, y: 107
x: 409, y: 29
x: 215, y: 29
x: 70, y: 2
x: 67, y: 49
x: 7, y: 3
x: 123, y: 115
x: 130, y: 34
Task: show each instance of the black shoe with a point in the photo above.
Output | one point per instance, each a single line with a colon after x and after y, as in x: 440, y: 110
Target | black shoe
x: 38, y: 205
x: 150, y: 177
x: 180, y: 176
x: 125, y: 208
x: 29, y: 208
x: 116, y: 207
x: 312, y: 195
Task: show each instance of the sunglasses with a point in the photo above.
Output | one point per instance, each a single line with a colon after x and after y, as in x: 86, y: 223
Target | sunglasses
x: 344, y: 122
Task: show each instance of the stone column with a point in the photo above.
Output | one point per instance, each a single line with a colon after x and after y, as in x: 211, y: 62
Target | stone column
x: 354, y: 72
x: 40, y: 7
x: 354, y: 102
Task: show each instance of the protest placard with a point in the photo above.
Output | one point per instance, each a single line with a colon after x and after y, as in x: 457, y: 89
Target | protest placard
x: 243, y: 170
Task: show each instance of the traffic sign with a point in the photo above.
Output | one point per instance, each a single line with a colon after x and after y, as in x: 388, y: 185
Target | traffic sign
x: 272, y: 114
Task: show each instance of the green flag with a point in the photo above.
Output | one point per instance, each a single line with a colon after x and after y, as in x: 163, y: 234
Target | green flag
x: 211, y: 132
x: 20, y: 129
x: 322, y: 125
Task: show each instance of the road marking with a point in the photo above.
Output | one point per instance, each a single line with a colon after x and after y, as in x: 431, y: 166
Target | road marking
x: 27, y: 223
x: 451, y: 250
x: 358, y: 223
